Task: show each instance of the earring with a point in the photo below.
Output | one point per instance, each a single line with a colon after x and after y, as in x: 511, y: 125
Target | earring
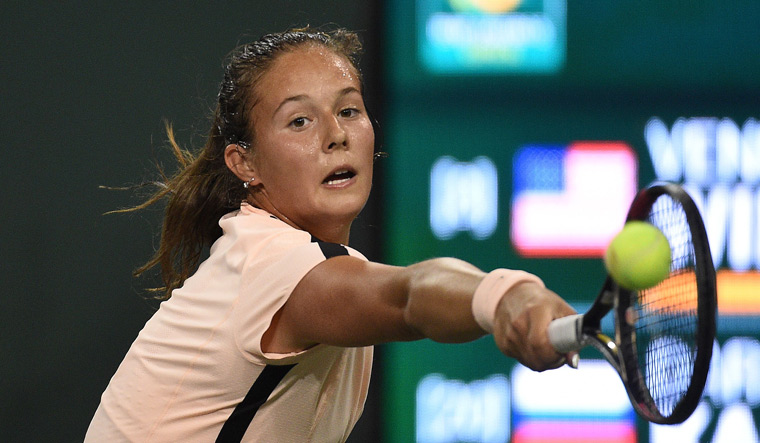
x: 248, y: 183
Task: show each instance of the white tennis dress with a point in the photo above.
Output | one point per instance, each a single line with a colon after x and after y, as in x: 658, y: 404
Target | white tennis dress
x: 196, y: 372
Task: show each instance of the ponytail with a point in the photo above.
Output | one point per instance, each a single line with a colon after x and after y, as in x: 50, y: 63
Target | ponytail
x: 197, y: 196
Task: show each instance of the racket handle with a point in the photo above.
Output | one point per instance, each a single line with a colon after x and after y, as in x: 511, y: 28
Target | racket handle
x: 565, y: 333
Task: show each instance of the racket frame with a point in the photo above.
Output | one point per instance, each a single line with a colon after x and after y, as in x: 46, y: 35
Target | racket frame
x: 575, y: 332
x: 630, y: 372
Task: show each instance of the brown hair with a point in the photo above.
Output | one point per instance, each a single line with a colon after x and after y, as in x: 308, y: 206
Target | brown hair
x: 205, y: 189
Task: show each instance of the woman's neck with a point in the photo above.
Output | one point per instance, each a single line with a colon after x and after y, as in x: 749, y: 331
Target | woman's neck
x: 328, y: 232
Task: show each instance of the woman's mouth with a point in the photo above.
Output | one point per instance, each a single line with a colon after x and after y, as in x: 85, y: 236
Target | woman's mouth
x: 339, y: 177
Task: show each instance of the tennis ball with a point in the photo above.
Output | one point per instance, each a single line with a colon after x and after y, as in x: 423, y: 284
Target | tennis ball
x: 638, y: 257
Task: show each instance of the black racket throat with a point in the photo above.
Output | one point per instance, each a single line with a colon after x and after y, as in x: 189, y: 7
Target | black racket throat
x: 603, y: 304
x: 591, y: 324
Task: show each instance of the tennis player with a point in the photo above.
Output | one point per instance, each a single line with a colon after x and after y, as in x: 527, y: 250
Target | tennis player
x: 270, y: 338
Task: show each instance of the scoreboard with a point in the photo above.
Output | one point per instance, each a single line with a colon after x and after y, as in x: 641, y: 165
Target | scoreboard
x: 518, y: 134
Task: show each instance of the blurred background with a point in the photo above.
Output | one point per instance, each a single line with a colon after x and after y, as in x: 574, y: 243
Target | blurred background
x: 518, y: 133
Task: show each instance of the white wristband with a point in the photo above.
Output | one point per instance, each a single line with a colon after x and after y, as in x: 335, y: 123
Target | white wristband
x: 490, y: 291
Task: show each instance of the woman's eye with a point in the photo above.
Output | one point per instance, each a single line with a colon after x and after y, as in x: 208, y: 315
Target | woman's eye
x: 298, y: 122
x: 349, y: 112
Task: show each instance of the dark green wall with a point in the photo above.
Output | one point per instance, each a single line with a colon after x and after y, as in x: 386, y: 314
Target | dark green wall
x: 85, y: 88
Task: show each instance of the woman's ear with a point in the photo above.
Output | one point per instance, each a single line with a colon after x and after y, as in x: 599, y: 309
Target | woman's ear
x: 235, y: 158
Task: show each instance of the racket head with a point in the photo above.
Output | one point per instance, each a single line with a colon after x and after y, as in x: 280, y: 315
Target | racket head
x: 665, y: 334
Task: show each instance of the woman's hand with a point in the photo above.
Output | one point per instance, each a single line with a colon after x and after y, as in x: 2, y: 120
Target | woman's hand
x: 522, y: 318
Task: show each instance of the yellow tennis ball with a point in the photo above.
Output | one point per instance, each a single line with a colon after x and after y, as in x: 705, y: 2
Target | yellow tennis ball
x: 639, y: 256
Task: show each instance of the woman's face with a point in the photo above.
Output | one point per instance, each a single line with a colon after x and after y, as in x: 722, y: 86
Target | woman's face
x: 314, y: 143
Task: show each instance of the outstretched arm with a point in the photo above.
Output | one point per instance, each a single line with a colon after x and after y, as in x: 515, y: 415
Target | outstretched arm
x: 345, y: 301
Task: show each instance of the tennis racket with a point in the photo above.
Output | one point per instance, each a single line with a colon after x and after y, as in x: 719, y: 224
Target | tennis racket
x: 663, y: 335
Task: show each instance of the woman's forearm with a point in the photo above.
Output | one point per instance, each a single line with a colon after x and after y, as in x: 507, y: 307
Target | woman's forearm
x: 439, y: 304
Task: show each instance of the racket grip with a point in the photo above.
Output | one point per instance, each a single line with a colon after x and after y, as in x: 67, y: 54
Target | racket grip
x: 565, y: 333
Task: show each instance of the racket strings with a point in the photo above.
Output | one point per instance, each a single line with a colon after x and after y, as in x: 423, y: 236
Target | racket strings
x: 666, y: 315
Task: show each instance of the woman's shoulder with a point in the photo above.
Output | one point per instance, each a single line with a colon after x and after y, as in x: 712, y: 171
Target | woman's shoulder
x: 255, y: 229
x: 262, y: 234
x: 249, y: 220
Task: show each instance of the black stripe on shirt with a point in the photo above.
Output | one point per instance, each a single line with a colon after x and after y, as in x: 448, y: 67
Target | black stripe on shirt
x: 330, y: 250
x: 236, y: 425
